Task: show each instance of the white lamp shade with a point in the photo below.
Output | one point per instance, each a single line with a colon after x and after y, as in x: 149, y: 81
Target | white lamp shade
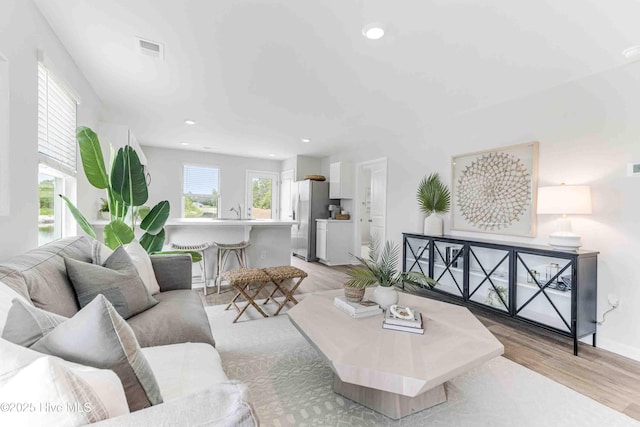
x: 564, y: 199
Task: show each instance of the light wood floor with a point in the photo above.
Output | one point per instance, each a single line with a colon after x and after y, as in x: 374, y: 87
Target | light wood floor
x: 601, y: 375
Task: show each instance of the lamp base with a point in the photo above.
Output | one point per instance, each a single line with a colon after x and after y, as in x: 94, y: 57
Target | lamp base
x: 565, y: 240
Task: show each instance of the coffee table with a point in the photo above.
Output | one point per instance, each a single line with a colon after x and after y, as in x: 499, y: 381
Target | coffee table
x: 392, y: 372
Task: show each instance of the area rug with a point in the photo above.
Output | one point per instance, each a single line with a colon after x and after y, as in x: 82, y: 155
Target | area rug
x: 290, y: 385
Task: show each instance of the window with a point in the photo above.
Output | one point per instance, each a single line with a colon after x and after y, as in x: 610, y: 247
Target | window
x: 200, y: 193
x: 262, y: 195
x: 57, y: 155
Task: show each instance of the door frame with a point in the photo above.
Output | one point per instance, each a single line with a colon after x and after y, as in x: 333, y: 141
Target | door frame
x: 358, y: 200
x: 275, y: 191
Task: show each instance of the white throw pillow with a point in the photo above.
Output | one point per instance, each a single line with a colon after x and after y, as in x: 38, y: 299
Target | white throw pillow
x: 100, y: 252
x: 141, y: 260
x: 6, y: 297
x: 104, y: 383
x: 48, y: 393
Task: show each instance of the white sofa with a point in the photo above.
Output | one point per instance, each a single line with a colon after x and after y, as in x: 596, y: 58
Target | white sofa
x: 194, y: 388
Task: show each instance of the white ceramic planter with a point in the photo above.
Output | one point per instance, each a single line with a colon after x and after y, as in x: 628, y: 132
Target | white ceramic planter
x: 385, y: 296
x: 433, y: 225
x: 104, y: 215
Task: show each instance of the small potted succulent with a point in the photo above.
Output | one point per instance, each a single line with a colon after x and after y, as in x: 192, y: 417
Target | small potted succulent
x: 380, y: 268
x: 103, y: 212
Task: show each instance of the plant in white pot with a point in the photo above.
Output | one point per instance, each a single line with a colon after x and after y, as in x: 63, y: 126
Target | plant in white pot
x: 381, y: 268
x: 434, y: 199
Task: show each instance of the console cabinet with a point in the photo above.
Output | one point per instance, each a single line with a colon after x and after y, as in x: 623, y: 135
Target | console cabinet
x: 552, y: 289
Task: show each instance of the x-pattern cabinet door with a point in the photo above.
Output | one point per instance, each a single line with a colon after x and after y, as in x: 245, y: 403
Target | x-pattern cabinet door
x: 448, y: 267
x: 543, y: 289
x: 489, y: 272
x: 416, y: 255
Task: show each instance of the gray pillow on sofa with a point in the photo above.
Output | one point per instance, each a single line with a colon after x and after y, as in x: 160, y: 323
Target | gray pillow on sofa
x: 117, y: 279
x: 26, y: 324
x: 98, y: 336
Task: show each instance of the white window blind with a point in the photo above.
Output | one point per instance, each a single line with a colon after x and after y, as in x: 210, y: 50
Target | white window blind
x: 56, y: 123
x: 200, y: 181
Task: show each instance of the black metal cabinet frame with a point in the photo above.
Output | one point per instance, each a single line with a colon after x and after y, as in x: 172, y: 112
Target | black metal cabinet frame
x: 579, y: 268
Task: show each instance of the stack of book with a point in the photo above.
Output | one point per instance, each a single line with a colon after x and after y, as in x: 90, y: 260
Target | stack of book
x: 415, y: 325
x: 357, y: 310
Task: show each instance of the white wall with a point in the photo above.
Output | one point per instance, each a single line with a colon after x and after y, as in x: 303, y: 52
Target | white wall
x: 588, y: 131
x: 165, y: 166
x: 23, y: 30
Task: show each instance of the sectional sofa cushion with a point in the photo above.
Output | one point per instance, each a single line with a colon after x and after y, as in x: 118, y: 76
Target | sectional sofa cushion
x: 117, y: 279
x: 103, y: 384
x: 178, y: 318
x: 26, y: 324
x: 40, y: 275
x: 97, y: 336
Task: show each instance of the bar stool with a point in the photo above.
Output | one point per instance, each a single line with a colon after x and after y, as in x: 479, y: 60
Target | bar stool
x: 196, y: 248
x: 226, y: 249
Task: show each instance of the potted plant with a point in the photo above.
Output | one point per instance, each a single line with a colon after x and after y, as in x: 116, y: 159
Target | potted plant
x: 103, y: 212
x: 126, y: 187
x: 381, y: 268
x: 434, y: 198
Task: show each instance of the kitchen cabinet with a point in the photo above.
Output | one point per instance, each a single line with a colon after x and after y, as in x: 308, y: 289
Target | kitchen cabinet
x: 334, y: 241
x: 341, y: 180
x: 538, y: 285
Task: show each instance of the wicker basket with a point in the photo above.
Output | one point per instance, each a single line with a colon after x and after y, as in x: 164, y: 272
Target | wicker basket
x: 353, y: 294
x: 316, y: 177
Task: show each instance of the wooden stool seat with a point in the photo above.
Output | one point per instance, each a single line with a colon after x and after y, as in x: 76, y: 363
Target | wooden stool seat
x: 277, y: 276
x: 241, y: 279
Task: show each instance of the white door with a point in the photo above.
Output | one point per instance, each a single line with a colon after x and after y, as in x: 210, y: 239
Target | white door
x: 286, y: 207
x: 377, y: 217
x: 262, y: 195
x: 371, y: 204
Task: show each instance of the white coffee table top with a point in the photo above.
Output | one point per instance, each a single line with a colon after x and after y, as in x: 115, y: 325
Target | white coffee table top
x: 361, y: 352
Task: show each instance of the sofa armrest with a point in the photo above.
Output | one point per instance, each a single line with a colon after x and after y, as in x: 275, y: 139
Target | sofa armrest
x: 223, y: 404
x: 173, y: 271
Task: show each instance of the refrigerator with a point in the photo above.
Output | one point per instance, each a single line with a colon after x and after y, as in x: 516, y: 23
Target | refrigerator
x: 309, y: 201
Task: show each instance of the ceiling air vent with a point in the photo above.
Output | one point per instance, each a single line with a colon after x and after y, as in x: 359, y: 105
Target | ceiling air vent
x: 150, y: 48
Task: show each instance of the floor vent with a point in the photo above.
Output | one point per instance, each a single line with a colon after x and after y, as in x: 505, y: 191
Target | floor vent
x: 150, y: 48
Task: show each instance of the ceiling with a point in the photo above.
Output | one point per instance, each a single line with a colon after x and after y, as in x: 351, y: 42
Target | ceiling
x: 257, y: 76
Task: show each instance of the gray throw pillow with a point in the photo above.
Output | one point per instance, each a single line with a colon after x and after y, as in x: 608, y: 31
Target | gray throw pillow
x: 26, y: 324
x: 117, y: 279
x: 98, y: 336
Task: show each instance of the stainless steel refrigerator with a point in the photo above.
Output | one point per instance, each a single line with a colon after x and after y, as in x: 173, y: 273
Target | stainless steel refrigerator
x: 309, y: 201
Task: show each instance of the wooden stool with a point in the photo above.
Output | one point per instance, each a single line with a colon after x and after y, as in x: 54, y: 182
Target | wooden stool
x: 278, y: 275
x: 241, y: 279
x: 226, y: 249
x: 196, y: 248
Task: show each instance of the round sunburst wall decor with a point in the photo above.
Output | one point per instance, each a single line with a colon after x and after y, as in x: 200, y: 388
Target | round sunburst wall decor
x: 494, y: 191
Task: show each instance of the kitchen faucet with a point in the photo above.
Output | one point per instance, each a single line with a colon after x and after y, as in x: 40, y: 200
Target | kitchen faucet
x: 237, y: 211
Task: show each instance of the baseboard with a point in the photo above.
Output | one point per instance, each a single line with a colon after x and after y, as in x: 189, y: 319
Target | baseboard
x: 619, y: 348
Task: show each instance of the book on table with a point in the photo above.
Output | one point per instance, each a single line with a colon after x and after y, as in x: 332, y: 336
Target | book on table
x: 403, y: 328
x: 395, y: 323
x: 356, y: 309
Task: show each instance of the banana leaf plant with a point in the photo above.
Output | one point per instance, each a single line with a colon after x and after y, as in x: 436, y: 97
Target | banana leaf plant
x: 127, y: 192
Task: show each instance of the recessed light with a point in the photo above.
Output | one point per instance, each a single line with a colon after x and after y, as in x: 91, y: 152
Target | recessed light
x: 305, y: 140
x: 207, y: 148
x: 184, y: 143
x: 189, y: 122
x: 373, y: 31
x: 272, y: 155
x: 631, y: 52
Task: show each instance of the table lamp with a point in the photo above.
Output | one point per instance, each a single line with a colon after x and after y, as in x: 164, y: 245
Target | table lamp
x: 564, y: 200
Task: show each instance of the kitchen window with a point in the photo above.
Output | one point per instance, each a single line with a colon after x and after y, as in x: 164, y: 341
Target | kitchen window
x: 200, y: 192
x: 56, y: 154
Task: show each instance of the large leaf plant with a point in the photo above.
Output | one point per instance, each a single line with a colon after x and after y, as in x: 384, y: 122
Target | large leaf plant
x: 381, y: 268
x: 127, y: 192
